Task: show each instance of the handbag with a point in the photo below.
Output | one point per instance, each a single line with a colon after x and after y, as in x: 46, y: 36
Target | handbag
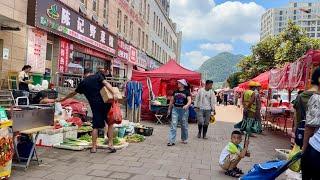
x: 313, y: 113
x: 114, y: 115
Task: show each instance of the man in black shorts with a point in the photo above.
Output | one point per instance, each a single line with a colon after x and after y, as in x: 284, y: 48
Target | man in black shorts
x: 90, y: 87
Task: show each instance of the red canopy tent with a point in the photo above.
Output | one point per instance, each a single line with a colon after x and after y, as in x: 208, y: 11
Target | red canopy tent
x: 164, y: 77
x: 263, y: 79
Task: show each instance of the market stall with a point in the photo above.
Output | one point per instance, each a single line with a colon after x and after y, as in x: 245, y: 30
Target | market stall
x: 162, y: 82
x: 6, y: 145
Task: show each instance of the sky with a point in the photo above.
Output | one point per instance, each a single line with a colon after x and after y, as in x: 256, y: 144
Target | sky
x: 213, y: 26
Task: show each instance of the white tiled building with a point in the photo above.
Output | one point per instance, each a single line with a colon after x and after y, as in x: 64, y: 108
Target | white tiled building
x: 274, y: 20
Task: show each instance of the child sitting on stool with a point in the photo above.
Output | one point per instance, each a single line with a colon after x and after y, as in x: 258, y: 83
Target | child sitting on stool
x: 232, y: 154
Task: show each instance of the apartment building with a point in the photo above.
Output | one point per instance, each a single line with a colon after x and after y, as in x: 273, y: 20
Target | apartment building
x: 274, y: 20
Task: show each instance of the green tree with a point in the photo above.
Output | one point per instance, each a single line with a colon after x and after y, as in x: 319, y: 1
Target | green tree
x: 234, y: 80
x: 276, y: 51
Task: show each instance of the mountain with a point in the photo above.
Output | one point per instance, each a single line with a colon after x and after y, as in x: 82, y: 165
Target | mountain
x: 219, y: 67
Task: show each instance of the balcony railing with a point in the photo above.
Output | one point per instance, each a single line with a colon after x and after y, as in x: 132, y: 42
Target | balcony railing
x: 68, y: 82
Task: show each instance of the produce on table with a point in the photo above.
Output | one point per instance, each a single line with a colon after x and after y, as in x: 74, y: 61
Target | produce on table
x: 6, y: 150
x: 86, y: 137
x: 75, y: 142
x: 85, y: 129
x: 135, y: 138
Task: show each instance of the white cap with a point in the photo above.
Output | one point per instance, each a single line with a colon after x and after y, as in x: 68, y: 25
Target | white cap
x: 183, y: 82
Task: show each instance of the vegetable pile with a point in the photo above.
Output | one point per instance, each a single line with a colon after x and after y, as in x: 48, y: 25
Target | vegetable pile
x: 135, y: 138
x: 6, y: 150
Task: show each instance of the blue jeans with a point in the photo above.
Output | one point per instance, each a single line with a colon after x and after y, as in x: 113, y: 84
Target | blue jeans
x: 179, y: 114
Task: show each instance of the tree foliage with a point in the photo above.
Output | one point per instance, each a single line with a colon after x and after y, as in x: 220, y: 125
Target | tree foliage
x: 276, y: 51
x: 234, y: 80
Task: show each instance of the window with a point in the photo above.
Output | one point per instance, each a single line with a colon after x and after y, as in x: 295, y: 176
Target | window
x: 142, y: 44
x: 144, y: 8
x: 294, y: 11
x: 281, y: 12
x: 49, y: 53
x: 119, y: 16
x: 318, y: 28
x: 309, y: 4
x: 295, y: 5
x: 152, y: 53
x: 94, y: 5
x: 158, y: 26
x: 125, y: 25
x: 131, y: 30
x: 312, y: 35
x: 280, y: 18
x: 106, y: 9
x: 312, y: 28
x: 147, y: 43
x: 84, y: 2
x: 139, y: 37
x: 154, y: 20
x: 318, y: 35
x: 148, y: 14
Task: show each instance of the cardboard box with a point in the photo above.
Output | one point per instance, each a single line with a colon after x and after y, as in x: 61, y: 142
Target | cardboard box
x: 107, y: 95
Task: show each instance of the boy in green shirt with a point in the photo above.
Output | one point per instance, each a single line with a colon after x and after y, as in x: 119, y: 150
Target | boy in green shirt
x: 232, y: 154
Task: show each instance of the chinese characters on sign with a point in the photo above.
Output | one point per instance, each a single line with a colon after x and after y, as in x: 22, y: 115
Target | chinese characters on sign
x: 133, y: 55
x: 37, y: 45
x: 142, y: 59
x: 55, y: 17
x: 65, y: 49
x: 123, y: 50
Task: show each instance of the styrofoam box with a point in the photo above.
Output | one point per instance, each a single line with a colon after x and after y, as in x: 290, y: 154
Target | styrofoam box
x: 70, y: 134
x: 49, y: 140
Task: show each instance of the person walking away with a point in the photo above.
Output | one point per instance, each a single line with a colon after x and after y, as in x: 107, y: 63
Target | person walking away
x: 300, y: 106
x: 232, y: 154
x: 179, y: 106
x: 205, y: 103
x: 24, y: 79
x: 90, y: 87
x: 225, y: 98
x: 311, y: 142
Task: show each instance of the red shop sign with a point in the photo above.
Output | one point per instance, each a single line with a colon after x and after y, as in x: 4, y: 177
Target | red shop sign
x: 65, y: 49
x: 123, y: 50
x: 133, y: 55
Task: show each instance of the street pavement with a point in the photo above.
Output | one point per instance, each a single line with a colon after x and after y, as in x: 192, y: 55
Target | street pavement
x: 153, y: 160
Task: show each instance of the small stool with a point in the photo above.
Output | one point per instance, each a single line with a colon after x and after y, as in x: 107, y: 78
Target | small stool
x: 158, y: 117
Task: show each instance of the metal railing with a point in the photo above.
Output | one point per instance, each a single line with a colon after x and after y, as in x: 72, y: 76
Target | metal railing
x: 71, y: 81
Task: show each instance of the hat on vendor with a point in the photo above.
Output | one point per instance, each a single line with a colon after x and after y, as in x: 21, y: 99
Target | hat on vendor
x: 254, y: 84
x: 183, y: 82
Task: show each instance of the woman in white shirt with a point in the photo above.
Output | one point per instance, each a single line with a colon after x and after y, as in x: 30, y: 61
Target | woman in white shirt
x: 24, y: 79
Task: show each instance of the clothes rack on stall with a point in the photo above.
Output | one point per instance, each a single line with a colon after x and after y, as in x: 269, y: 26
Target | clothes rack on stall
x: 134, y: 100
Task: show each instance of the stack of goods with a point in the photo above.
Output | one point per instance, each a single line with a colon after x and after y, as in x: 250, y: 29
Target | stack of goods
x: 143, y: 130
x: 160, y: 101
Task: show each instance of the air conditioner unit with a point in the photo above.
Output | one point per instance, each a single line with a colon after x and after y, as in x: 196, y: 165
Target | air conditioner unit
x: 95, y: 18
x: 83, y: 9
x: 105, y: 24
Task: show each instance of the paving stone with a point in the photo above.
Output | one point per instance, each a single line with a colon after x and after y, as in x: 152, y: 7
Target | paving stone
x: 56, y: 175
x: 134, y: 164
x: 100, y: 173
x: 179, y: 175
x: 80, y: 177
x: 98, y: 166
x: 141, y: 177
x: 39, y: 173
x: 161, y: 173
x: 119, y: 175
x: 138, y: 170
x: 201, y: 166
x: 198, y: 176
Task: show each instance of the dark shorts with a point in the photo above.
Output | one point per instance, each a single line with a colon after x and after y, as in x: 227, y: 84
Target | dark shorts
x: 310, y: 164
x: 99, y: 113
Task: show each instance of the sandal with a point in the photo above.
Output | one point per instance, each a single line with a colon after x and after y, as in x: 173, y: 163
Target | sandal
x: 93, y: 150
x: 170, y: 144
x: 239, y: 171
x: 232, y: 173
x: 184, y: 142
x: 112, y: 150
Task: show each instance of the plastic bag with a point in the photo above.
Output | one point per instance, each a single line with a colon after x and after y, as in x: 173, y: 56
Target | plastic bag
x: 114, y: 115
x: 58, y: 109
x: 212, y: 119
x: 295, y: 166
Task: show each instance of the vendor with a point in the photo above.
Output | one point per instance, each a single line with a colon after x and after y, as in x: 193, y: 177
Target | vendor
x: 24, y: 78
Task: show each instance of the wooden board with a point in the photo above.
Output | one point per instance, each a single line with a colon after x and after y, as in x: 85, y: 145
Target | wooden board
x: 35, y: 130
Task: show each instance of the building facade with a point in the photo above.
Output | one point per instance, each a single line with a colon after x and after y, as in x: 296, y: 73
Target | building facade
x: 274, y: 21
x: 68, y: 36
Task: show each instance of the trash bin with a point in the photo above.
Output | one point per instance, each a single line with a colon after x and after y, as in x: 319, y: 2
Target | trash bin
x: 7, y: 153
x: 37, y: 78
